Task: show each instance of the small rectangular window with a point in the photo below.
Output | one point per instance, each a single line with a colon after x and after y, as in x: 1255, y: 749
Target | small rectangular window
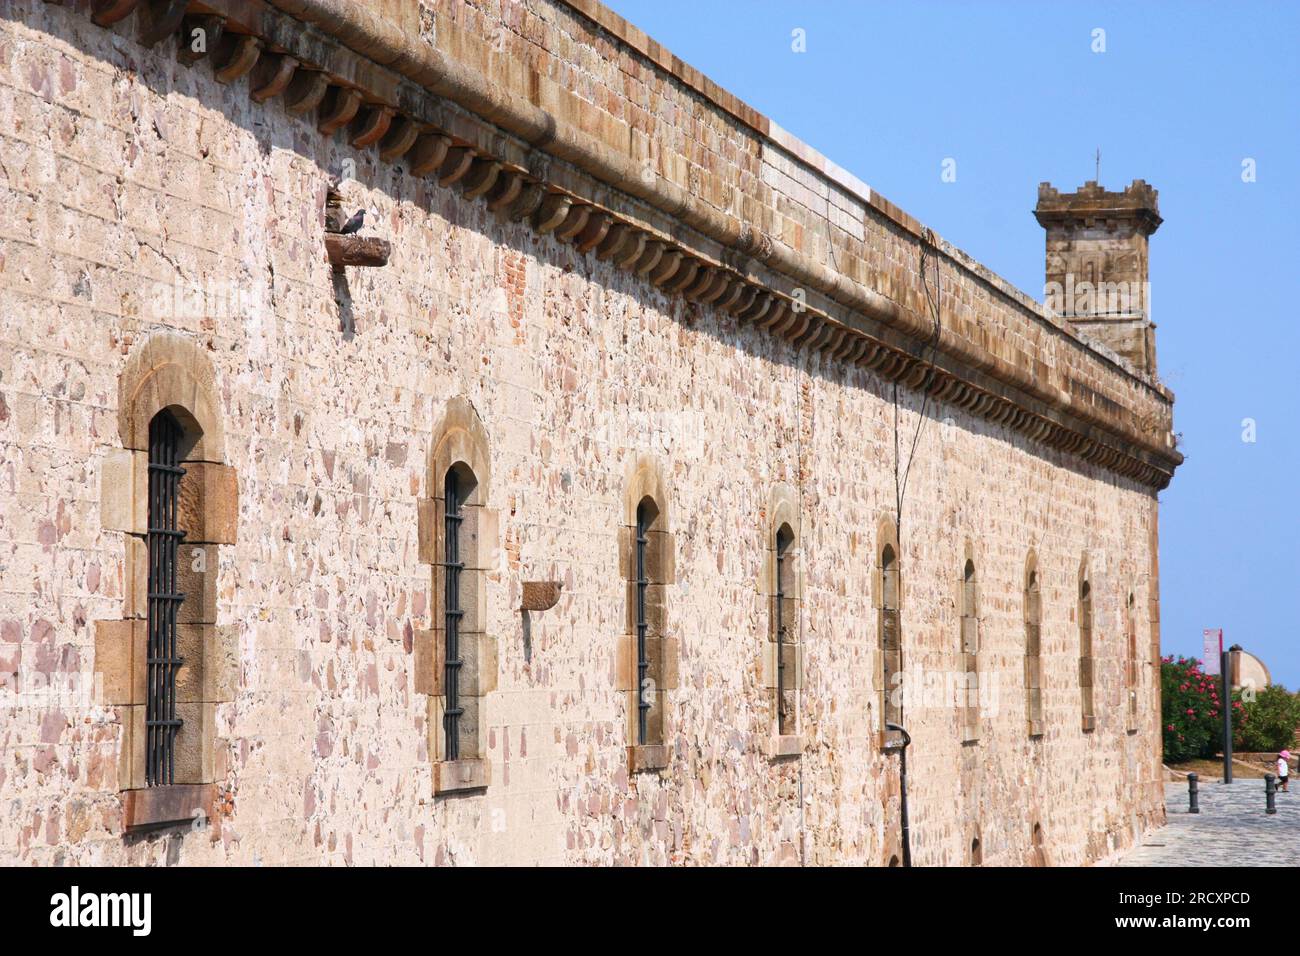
x: 642, y: 625
x: 1033, y: 655
x: 452, y: 567
x: 1085, y: 656
x: 784, y: 716
x: 891, y: 643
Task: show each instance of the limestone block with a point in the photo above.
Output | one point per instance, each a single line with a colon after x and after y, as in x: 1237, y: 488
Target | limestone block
x: 136, y: 577
x: 423, y: 662
x: 208, y: 506
x: 656, y: 609
x: 194, y: 742
x: 210, y: 668
x: 196, y: 578
x: 131, y: 748
x: 121, y: 649
x: 124, y: 498
x: 428, y: 515
x: 793, y: 657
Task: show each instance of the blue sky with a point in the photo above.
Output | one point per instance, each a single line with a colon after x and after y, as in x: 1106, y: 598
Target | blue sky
x: 1183, y: 93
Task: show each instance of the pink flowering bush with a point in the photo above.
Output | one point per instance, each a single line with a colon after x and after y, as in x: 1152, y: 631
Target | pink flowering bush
x: 1192, y: 712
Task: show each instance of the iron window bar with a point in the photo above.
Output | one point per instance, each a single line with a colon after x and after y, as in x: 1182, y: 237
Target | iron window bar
x: 452, y: 568
x: 164, y: 601
x: 642, y: 657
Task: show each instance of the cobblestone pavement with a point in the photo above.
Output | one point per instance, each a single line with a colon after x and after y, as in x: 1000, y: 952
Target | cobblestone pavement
x: 1231, y: 829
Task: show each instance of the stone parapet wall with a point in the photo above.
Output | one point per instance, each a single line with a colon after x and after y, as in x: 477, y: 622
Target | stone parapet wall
x: 588, y: 67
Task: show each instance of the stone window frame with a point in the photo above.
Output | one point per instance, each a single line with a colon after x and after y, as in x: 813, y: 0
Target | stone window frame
x: 888, y: 598
x: 783, y: 515
x: 968, y: 647
x: 1033, y: 613
x: 1132, y: 673
x: 1038, y: 846
x: 645, y: 486
x: 460, y: 443
x: 167, y: 372
x: 1087, y: 662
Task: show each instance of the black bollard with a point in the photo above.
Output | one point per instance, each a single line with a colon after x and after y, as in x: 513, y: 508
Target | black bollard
x: 1191, y: 794
x: 1270, y: 793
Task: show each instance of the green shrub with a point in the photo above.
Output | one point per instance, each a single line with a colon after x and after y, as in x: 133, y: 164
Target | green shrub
x: 1191, y: 716
x: 1269, y: 721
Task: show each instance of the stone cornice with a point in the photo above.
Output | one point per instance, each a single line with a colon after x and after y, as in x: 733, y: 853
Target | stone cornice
x: 360, y: 76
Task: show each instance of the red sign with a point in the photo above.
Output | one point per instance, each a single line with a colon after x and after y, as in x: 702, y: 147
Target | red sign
x: 1213, y: 649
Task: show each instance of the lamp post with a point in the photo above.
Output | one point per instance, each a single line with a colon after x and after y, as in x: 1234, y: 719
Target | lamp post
x: 1226, y: 707
x: 1216, y: 660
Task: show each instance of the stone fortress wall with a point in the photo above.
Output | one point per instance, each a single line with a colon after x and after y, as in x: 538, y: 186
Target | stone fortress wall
x: 735, y: 328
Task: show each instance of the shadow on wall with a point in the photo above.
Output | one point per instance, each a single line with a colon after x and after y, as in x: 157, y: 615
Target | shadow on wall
x: 343, y: 301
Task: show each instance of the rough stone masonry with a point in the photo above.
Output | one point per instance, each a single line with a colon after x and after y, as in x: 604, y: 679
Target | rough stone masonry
x: 622, y: 401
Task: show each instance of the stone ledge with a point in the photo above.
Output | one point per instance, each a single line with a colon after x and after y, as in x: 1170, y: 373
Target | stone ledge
x: 647, y: 758
x: 889, y: 740
x: 781, y: 746
x: 357, y: 251
x: 458, y: 776
x: 167, y: 806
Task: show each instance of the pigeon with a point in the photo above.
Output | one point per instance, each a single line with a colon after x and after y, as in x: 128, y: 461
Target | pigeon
x: 355, y: 223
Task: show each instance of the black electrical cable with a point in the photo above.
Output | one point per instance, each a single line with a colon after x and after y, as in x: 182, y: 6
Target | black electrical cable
x: 900, y: 482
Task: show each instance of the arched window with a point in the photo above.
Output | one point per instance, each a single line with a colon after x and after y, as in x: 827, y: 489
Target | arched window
x: 890, y: 639
x: 645, y: 690
x: 1085, y: 652
x: 1131, y: 674
x: 647, y: 654
x: 455, y: 661
x: 1033, y: 650
x: 970, y: 645
x: 458, y: 486
x: 165, y: 599
x: 781, y: 667
x: 165, y: 665
x: 647, y: 613
x: 785, y: 626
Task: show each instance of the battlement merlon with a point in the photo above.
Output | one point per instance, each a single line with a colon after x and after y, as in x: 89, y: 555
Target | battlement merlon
x: 1091, y: 203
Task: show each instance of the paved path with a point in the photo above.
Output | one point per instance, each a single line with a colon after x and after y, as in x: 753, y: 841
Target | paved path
x: 1231, y: 829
